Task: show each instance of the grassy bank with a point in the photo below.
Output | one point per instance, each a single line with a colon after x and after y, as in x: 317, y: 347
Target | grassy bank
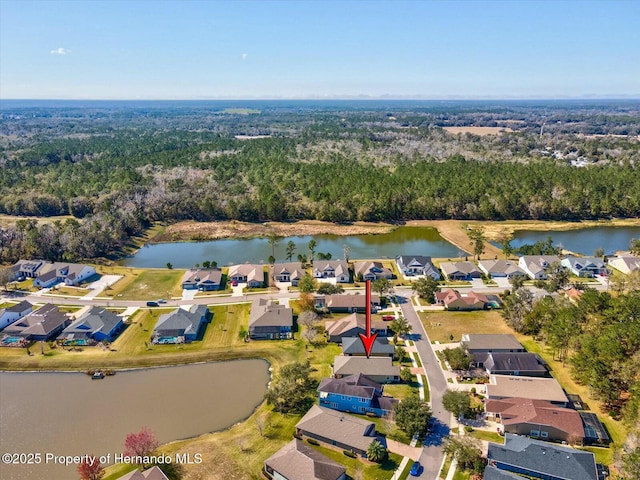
x: 439, y: 325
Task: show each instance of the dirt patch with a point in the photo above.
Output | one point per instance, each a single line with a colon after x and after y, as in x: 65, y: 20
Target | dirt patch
x: 478, y: 130
x: 185, y: 231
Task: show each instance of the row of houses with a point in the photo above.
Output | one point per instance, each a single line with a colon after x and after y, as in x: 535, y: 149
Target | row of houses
x: 20, y: 324
x: 46, y: 274
x: 522, y: 397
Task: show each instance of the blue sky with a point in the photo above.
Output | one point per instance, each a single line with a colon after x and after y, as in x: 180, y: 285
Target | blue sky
x: 308, y: 49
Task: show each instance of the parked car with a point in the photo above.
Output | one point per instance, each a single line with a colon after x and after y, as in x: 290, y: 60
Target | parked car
x: 162, y: 300
x: 415, y: 469
x: 234, y: 283
x: 388, y: 318
x: 152, y: 304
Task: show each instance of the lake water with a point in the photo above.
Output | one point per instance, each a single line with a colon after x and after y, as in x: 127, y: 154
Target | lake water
x: 401, y: 241
x: 585, y: 240
x: 70, y: 414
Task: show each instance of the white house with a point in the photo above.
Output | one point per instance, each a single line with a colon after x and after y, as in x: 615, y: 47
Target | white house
x: 585, y: 266
x: 330, y: 269
x: 625, y: 263
x: 8, y: 315
x: 411, y: 265
x: 535, y: 266
x: 70, y: 273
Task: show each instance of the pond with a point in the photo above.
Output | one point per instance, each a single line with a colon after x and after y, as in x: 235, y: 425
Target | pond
x: 584, y: 241
x: 70, y: 414
x: 401, y: 241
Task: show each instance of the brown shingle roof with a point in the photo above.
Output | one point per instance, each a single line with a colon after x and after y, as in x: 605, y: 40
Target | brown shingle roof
x: 297, y: 461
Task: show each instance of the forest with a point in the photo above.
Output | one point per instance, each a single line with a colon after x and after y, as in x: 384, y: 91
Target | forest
x: 131, y: 164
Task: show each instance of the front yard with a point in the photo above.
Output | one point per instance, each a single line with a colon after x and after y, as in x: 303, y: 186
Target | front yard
x: 441, y: 325
x: 148, y: 285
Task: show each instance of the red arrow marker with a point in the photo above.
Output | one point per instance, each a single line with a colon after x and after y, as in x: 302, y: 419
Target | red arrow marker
x: 368, y: 338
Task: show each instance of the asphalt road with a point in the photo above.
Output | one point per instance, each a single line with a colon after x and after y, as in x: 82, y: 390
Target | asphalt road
x: 432, y: 454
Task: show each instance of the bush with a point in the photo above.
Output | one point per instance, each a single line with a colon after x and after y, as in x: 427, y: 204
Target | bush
x: 468, y: 428
x: 313, y: 441
x: 349, y: 454
x: 371, y: 414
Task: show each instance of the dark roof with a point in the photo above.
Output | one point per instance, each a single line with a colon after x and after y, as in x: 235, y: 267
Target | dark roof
x: 492, y: 473
x: 297, y: 461
x: 513, y: 361
x: 353, y: 385
x: 186, y: 321
x: 265, y: 313
x: 544, y: 458
x: 19, y: 307
x: 354, y: 346
x: 94, y: 320
x: 41, y: 322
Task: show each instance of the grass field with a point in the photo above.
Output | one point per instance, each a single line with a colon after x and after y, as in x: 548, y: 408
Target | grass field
x: 148, y: 285
x: 487, y: 436
x: 440, y: 325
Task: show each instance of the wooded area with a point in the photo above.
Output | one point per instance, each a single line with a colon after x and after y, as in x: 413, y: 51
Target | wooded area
x: 119, y: 167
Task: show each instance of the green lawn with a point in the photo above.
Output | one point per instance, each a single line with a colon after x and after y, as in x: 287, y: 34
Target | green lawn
x: 484, y: 435
x: 370, y: 470
x: 149, y: 285
x: 440, y: 325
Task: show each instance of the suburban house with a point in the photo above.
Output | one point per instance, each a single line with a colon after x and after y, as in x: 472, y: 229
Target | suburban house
x: 270, y: 321
x: 378, y: 369
x: 252, y: 275
x: 490, y: 342
x: 288, y: 272
x: 371, y: 271
x: 331, y: 269
x: 585, y: 266
x: 500, y: 268
x: 460, y: 270
x: 536, y: 419
x: 352, y: 326
x: 26, y: 269
x: 338, y: 429
x: 534, y: 388
x: 535, y: 266
x: 203, y: 279
x: 92, y: 323
x: 353, y: 347
x: 411, y: 265
x: 346, y: 303
x: 517, y: 363
x: 153, y: 473
x: 48, y: 274
x: 181, y: 325
x: 43, y: 324
x: 355, y: 394
x: 297, y: 461
x: 10, y: 314
x: 542, y: 460
x: 453, y: 300
x: 625, y: 263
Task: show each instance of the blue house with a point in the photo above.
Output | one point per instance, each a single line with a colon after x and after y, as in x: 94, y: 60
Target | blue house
x: 181, y: 326
x: 355, y: 394
x: 94, y: 324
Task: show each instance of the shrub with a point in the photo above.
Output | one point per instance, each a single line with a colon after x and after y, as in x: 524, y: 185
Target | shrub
x: 468, y: 428
x: 349, y: 454
x: 313, y: 441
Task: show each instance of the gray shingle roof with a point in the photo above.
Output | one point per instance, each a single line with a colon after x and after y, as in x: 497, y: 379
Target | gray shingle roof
x: 374, y: 366
x: 354, y: 346
x: 354, y: 385
x: 41, y: 322
x: 267, y: 314
x: 492, y: 473
x: 338, y: 426
x: 544, y: 458
x: 490, y: 341
x: 514, y: 362
x: 94, y: 320
x: 180, y: 320
x: 297, y: 461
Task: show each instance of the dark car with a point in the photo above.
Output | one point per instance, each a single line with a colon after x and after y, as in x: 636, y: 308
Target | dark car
x: 415, y: 469
x: 152, y: 304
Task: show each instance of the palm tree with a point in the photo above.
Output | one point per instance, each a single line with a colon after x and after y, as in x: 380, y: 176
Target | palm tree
x: 291, y: 248
x: 274, y: 239
x: 312, y: 249
x: 376, y: 452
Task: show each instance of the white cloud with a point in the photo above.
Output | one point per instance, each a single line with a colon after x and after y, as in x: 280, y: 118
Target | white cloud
x: 244, y: 56
x: 60, y: 51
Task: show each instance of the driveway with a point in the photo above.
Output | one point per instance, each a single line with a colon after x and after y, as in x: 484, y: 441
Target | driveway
x: 189, y: 294
x: 503, y: 282
x: 99, y: 285
x: 477, y: 283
